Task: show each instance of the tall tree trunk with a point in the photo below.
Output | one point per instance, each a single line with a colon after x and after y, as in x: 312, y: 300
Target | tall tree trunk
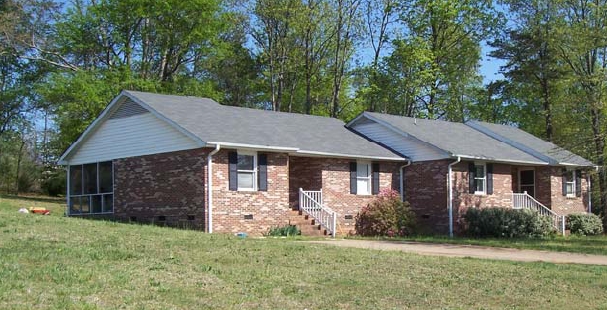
x: 18, y: 172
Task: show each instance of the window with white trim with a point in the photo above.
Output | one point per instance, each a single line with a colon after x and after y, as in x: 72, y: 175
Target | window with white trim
x: 91, y: 189
x: 480, y: 179
x: 247, y: 171
x: 569, y: 179
x: 363, y: 178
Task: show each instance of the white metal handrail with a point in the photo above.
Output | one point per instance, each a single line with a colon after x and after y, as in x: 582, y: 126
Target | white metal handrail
x: 525, y: 201
x: 310, y: 202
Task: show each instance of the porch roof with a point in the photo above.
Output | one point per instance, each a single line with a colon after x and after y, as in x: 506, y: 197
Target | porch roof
x: 300, y: 134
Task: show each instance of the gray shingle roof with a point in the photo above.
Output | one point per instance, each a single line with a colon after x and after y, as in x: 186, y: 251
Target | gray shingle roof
x: 548, y: 149
x: 457, y: 139
x: 212, y: 122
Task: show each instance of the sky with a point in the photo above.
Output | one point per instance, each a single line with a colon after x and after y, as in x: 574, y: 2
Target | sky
x: 490, y: 66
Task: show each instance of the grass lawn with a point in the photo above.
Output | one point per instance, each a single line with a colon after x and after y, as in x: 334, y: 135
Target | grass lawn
x: 62, y: 263
x: 573, y: 244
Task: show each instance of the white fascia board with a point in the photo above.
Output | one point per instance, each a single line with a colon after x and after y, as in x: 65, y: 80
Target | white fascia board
x: 339, y: 155
x: 576, y: 165
x: 399, y: 132
x: 253, y: 147
x: 500, y: 160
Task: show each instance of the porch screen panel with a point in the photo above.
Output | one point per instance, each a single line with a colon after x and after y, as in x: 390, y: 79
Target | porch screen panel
x: 106, y: 180
x: 91, y: 188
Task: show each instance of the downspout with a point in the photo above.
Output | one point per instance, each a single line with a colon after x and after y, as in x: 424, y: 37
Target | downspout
x: 449, y: 181
x: 589, y: 195
x: 210, y: 187
x: 402, y: 179
x: 67, y: 194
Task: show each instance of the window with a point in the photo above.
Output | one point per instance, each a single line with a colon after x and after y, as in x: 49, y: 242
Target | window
x: 363, y: 178
x: 480, y: 179
x: 247, y: 171
x: 527, y: 182
x: 569, y: 180
x: 91, y: 188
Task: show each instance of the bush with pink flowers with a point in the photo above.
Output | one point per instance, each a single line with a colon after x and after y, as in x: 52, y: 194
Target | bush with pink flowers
x: 387, y: 215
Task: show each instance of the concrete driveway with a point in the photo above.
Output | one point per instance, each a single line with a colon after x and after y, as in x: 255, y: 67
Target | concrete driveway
x: 453, y: 250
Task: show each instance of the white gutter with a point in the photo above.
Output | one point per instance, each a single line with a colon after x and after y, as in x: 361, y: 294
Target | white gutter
x: 210, y: 187
x: 302, y: 153
x: 500, y: 160
x: 450, y: 189
x: 402, y: 179
x: 254, y: 146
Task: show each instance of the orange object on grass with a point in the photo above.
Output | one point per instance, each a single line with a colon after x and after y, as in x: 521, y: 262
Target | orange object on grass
x: 39, y: 210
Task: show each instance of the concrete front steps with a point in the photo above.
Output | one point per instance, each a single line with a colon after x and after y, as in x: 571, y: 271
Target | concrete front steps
x: 307, y: 224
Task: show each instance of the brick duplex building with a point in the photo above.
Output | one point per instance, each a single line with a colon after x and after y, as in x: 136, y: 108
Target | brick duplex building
x: 455, y: 166
x: 191, y: 162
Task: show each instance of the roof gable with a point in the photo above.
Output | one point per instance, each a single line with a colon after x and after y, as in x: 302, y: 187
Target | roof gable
x: 122, y: 110
x: 531, y: 144
x: 456, y: 139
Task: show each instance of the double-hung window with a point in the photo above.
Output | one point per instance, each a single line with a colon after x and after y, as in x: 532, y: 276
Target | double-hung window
x: 363, y: 178
x: 569, y: 179
x: 247, y: 171
x: 480, y: 179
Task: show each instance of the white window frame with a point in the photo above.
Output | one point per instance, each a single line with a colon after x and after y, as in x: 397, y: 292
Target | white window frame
x: 572, y: 182
x: 254, y: 171
x: 368, y: 178
x: 477, y: 179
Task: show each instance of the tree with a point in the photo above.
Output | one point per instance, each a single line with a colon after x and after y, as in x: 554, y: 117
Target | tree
x: 531, y: 52
x: 583, y: 34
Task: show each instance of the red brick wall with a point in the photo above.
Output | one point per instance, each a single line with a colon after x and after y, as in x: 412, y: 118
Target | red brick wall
x: 336, y: 189
x: 269, y: 208
x: 426, y: 192
x: 305, y: 173
x: 501, y: 197
x: 333, y: 177
x: 167, y: 184
x: 560, y: 204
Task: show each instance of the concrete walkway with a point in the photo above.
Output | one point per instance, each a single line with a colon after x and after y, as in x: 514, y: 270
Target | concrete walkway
x: 455, y: 250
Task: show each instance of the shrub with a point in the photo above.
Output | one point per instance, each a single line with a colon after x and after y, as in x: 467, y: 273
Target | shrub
x: 586, y: 224
x: 507, y: 223
x: 284, y: 231
x: 387, y: 215
x: 53, y: 182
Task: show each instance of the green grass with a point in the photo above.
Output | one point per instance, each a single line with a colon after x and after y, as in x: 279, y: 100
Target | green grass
x: 68, y: 263
x: 572, y: 244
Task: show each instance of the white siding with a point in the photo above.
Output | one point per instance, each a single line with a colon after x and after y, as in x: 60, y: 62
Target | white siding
x: 410, y: 147
x: 137, y: 135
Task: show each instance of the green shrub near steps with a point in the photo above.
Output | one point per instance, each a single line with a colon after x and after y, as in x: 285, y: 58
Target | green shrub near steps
x: 284, y: 231
x: 507, y: 223
x: 585, y: 224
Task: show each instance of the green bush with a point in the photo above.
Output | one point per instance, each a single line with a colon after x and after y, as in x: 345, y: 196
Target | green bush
x: 387, y: 215
x: 507, y: 223
x: 53, y: 182
x: 586, y: 224
x: 284, y: 231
